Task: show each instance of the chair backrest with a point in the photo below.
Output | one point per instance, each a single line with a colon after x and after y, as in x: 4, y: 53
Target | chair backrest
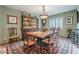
x: 57, y: 31
x: 36, y: 29
x: 24, y: 33
x: 29, y: 30
x: 53, y: 29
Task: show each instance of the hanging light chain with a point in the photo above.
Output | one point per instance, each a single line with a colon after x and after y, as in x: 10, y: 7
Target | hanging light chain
x: 44, y: 10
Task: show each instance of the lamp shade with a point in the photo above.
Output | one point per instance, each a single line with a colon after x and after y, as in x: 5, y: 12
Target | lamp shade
x: 43, y: 16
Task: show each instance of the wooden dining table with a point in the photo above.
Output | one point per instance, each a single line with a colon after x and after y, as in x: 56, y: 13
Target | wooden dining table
x: 40, y: 35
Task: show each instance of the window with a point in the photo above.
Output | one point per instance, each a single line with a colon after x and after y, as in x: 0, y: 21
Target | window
x: 78, y: 25
x: 56, y: 22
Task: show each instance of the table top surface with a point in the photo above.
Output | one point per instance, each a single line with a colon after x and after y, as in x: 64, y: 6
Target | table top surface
x: 39, y: 34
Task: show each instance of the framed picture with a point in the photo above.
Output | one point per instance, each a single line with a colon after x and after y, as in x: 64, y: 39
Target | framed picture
x: 69, y: 20
x: 12, y: 31
x: 12, y: 19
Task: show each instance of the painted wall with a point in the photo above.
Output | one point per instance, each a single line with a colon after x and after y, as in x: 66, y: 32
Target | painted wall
x: 77, y: 8
x: 63, y: 32
x: 0, y: 24
x: 4, y: 33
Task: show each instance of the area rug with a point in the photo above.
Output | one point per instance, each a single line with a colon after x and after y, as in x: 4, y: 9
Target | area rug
x: 17, y: 48
x: 64, y: 47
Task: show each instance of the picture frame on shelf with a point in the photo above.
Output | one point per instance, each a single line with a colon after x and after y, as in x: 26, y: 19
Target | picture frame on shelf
x: 12, y: 19
x: 69, y: 20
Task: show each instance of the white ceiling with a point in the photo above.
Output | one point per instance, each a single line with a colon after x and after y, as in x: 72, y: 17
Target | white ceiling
x: 37, y: 9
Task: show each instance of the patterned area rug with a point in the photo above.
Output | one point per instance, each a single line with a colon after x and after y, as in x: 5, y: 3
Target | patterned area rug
x: 64, y: 47
x: 17, y: 48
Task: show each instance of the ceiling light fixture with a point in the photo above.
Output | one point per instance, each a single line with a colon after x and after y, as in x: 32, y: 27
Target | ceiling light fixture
x: 44, y: 15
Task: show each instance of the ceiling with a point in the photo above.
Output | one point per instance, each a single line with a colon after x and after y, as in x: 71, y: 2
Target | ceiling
x: 36, y: 10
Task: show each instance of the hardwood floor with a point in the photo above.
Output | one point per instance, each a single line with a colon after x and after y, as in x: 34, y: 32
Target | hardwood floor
x: 65, y: 47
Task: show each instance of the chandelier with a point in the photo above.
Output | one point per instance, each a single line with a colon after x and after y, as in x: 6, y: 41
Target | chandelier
x: 44, y: 15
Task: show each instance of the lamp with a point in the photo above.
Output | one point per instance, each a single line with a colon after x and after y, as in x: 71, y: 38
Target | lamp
x: 44, y: 15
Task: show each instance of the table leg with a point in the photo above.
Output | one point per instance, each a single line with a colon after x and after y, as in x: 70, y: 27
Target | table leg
x: 40, y: 43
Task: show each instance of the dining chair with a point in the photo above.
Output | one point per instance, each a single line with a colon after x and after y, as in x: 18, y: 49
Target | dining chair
x: 24, y: 35
x: 29, y: 43
x: 29, y: 46
x: 56, y: 34
x: 51, y: 44
x: 57, y: 31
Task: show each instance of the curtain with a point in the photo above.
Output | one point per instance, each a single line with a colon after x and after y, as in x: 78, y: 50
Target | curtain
x: 56, y: 22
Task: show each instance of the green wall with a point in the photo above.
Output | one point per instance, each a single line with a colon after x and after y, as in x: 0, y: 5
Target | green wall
x: 4, y: 33
x: 63, y: 31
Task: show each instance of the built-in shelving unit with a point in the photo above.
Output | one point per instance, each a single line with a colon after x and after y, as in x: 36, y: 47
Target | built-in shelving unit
x: 29, y: 22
